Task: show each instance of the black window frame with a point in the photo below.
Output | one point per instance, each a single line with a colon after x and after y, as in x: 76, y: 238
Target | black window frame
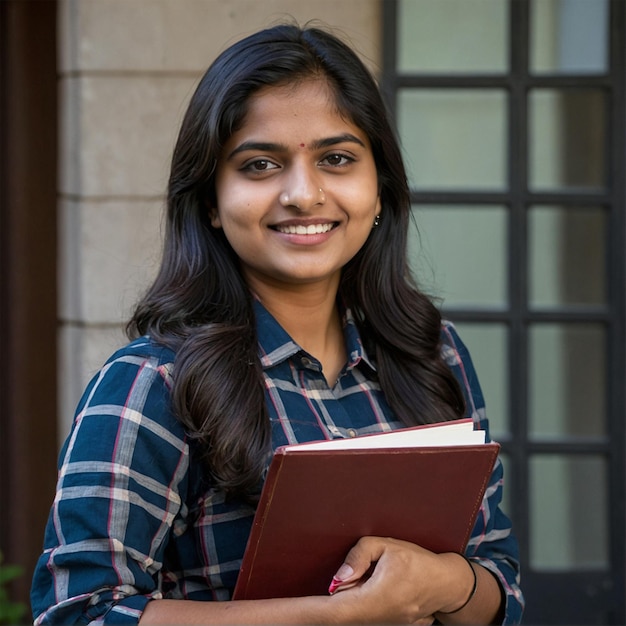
x: 574, y: 596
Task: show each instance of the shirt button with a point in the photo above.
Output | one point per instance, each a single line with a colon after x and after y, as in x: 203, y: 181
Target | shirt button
x: 306, y: 362
x: 352, y: 432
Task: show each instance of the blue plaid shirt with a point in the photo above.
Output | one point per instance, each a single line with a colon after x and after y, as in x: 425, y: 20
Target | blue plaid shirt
x: 134, y: 518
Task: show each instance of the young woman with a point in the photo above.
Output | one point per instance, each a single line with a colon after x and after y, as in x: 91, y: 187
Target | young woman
x: 284, y: 311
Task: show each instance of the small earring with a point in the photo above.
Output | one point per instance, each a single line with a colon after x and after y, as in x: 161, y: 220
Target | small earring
x: 376, y: 220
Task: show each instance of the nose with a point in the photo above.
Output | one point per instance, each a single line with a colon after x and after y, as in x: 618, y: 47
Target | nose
x: 302, y: 190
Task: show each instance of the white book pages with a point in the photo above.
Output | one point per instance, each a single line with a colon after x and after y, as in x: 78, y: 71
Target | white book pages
x: 457, y: 433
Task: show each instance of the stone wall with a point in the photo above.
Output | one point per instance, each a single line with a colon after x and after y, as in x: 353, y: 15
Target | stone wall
x: 126, y: 71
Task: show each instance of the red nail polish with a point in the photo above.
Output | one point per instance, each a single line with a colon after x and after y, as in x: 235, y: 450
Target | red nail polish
x: 335, y: 583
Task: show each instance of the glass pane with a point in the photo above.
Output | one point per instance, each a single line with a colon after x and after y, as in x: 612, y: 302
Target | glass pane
x: 568, y: 512
x: 459, y: 254
x: 567, y: 251
x: 478, y: 28
x: 569, y: 36
x: 488, y: 346
x: 454, y: 138
x: 567, y: 380
x: 567, y: 138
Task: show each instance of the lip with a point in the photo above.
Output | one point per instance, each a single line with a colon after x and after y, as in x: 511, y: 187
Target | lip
x: 308, y: 231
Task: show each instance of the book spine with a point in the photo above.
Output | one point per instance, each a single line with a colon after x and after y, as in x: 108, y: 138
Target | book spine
x: 248, y: 564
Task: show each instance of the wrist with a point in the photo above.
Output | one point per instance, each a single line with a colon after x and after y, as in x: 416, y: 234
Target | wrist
x: 464, y: 584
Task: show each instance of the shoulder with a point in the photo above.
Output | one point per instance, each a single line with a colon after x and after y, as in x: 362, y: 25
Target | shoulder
x: 453, y: 350
x: 456, y: 355
x: 138, y: 376
x: 144, y: 348
x: 129, y: 395
x: 141, y: 355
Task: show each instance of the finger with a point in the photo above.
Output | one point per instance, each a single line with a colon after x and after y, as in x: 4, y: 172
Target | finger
x: 357, y: 562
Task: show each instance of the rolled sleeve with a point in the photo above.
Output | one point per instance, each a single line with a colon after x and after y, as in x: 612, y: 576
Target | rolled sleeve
x: 494, y: 546
x: 122, y: 472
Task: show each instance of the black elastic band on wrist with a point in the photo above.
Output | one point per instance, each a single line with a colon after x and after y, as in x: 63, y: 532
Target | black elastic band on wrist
x: 472, y: 592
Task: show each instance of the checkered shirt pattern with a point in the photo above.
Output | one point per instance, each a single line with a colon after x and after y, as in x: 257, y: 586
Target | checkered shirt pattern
x: 135, y: 517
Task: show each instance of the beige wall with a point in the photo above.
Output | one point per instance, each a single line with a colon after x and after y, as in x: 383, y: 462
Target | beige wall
x: 126, y: 71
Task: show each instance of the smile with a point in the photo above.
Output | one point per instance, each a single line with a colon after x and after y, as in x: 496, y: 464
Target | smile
x: 311, y: 229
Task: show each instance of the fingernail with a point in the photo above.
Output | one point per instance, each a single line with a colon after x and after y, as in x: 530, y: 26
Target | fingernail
x: 334, y: 585
x: 344, y: 572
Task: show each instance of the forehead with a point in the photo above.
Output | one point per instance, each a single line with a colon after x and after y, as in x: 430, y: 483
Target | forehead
x: 304, y: 107
x: 313, y: 86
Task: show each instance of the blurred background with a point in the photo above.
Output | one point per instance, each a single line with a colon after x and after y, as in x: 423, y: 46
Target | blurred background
x: 511, y: 114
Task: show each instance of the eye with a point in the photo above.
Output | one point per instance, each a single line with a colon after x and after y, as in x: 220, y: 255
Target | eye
x: 259, y: 165
x: 337, y: 160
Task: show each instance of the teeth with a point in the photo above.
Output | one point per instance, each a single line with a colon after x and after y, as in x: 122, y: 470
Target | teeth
x: 312, y: 229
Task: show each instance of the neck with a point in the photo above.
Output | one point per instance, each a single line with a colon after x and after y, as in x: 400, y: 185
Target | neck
x: 309, y: 314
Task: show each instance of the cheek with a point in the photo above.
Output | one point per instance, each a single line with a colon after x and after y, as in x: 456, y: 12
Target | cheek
x: 370, y: 204
x: 236, y: 210
x: 235, y: 202
x: 364, y: 197
x: 241, y: 227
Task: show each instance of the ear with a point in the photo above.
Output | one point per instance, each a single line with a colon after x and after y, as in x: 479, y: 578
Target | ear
x: 214, y: 216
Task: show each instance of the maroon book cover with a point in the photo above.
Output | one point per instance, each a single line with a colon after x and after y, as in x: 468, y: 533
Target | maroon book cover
x: 316, y: 504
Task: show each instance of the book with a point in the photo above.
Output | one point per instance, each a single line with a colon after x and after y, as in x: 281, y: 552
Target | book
x: 423, y: 484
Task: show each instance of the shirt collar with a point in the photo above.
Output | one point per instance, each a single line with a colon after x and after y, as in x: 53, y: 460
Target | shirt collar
x: 276, y: 346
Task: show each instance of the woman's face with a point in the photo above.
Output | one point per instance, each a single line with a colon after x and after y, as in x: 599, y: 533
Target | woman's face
x: 297, y: 190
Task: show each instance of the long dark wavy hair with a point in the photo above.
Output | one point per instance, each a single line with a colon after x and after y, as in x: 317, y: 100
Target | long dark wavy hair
x: 200, y: 305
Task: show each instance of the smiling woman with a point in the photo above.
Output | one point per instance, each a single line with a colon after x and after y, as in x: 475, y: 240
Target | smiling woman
x: 296, y: 202
x: 283, y: 312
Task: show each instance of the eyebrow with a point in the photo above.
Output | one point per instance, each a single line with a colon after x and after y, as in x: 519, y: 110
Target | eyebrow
x: 266, y: 146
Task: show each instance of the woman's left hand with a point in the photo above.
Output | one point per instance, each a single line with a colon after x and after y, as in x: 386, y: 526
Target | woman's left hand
x: 409, y: 583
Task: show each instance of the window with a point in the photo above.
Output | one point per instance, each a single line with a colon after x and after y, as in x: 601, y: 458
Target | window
x: 511, y: 115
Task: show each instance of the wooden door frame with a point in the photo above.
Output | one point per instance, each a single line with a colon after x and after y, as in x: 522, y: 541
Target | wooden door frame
x: 28, y: 284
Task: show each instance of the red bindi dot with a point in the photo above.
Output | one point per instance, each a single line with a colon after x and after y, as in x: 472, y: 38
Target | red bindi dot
x: 302, y: 145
